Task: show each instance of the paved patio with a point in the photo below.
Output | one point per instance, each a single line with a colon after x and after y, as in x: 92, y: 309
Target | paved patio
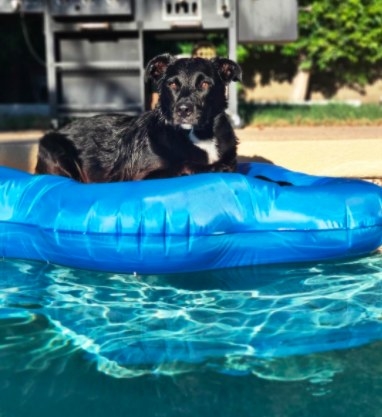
x: 350, y: 151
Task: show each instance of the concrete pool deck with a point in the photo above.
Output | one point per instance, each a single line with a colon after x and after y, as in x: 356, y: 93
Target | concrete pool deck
x: 349, y: 151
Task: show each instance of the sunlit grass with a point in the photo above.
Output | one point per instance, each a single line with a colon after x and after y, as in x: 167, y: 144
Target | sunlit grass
x: 325, y: 114
x: 24, y: 122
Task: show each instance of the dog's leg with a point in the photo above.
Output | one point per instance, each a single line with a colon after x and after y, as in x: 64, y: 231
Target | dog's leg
x: 58, y: 156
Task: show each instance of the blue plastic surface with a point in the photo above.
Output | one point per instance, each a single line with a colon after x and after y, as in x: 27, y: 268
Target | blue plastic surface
x: 195, y: 223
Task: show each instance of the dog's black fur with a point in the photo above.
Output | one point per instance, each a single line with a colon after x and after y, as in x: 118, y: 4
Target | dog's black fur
x: 188, y: 132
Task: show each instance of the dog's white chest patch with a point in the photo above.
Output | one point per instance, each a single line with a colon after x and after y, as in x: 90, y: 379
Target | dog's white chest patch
x: 207, y: 145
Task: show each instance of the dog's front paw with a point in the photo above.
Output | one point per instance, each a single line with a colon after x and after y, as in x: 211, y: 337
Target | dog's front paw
x: 186, y: 170
x: 225, y: 168
x: 222, y: 168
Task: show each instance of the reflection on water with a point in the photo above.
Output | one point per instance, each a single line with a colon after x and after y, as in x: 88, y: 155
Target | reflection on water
x: 20, y: 155
x: 263, y: 341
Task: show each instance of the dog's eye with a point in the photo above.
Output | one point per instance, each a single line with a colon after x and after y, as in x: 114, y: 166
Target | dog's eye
x: 173, y: 85
x: 204, y: 85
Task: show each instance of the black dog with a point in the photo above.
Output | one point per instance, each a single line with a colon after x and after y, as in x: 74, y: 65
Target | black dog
x: 188, y: 132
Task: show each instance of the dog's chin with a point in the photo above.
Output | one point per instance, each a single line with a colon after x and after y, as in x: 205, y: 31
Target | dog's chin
x: 186, y: 123
x: 180, y: 124
x: 186, y: 126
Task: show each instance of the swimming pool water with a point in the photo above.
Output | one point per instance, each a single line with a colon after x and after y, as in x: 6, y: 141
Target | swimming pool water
x: 265, y: 341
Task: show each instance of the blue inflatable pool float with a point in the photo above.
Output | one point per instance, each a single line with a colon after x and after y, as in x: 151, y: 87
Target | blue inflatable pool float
x: 195, y: 223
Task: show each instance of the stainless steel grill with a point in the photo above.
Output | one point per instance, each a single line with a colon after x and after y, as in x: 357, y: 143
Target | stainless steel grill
x: 95, y: 49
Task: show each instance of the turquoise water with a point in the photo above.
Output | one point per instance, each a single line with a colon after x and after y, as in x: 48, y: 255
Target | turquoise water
x: 272, y: 341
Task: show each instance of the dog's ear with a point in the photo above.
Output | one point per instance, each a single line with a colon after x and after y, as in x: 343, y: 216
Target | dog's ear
x: 228, y: 70
x: 158, y: 66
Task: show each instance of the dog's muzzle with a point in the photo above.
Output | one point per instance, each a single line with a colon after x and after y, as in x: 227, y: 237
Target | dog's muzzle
x: 184, y: 113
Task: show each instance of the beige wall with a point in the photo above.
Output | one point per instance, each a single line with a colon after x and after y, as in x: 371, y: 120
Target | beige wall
x: 283, y: 92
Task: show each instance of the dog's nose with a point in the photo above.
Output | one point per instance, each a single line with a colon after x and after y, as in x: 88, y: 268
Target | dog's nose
x: 184, y: 110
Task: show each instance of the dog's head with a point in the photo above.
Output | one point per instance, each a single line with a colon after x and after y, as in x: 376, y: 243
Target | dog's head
x: 192, y: 91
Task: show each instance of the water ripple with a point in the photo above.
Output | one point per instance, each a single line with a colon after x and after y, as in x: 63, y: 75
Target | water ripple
x: 234, y: 321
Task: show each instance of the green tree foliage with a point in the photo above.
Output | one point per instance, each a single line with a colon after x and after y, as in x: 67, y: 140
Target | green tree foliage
x: 339, y: 43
